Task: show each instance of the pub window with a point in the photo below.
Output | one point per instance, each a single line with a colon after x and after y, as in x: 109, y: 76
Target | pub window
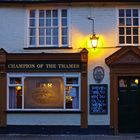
x: 48, y: 28
x: 128, y: 26
x: 44, y: 92
x: 15, y: 93
x: 72, y: 93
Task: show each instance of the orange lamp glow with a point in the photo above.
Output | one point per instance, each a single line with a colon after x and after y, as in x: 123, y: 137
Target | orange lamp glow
x: 18, y: 88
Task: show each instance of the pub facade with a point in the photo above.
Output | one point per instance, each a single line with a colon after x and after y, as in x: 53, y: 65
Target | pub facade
x: 53, y: 81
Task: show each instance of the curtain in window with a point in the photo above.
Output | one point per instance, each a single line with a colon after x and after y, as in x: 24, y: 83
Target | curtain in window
x: 12, y: 97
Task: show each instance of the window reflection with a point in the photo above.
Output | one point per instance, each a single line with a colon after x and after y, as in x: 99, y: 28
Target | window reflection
x: 122, y: 83
x: 134, y: 82
x: 73, y: 80
x: 72, y: 97
x: 15, y: 80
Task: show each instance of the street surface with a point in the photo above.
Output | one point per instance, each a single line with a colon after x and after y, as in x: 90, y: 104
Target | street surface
x: 69, y: 137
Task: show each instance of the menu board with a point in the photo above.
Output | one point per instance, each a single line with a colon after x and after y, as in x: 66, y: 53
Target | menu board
x: 98, y: 99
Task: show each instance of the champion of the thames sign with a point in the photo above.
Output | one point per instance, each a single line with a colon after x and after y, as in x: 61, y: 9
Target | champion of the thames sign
x: 43, y: 66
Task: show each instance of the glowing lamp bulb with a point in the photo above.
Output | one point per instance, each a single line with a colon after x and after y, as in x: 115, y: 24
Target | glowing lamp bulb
x: 18, y: 88
x: 94, y: 40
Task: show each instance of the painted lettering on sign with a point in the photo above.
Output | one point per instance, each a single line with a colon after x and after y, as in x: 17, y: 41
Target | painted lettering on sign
x: 44, y: 66
x: 24, y: 66
x: 98, y: 99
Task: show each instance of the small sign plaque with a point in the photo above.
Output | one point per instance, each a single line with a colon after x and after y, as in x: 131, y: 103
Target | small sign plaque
x: 98, y: 74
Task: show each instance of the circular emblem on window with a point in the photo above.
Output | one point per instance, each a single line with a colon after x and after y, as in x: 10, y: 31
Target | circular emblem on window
x: 98, y: 74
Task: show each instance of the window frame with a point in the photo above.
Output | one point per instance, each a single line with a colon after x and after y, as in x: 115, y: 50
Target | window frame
x: 24, y: 75
x: 14, y: 85
x: 125, y: 26
x: 59, y: 45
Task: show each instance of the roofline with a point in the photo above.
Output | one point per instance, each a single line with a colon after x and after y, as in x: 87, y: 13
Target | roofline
x: 66, y: 1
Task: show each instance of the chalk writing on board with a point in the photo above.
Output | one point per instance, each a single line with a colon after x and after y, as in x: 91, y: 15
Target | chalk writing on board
x: 98, y: 99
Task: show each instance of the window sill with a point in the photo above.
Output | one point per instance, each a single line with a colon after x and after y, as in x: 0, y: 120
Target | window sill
x: 120, y: 46
x: 46, y: 48
x: 45, y: 111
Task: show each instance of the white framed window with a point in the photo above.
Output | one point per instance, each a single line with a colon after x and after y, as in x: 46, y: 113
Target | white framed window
x: 15, y: 90
x: 48, y: 28
x: 43, y: 92
x: 128, y: 26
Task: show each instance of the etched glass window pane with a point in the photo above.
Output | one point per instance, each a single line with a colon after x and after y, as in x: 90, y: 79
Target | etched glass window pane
x: 128, y: 39
x: 48, y: 22
x: 32, y: 13
x: 32, y: 41
x: 135, y: 31
x: 121, y: 31
x: 55, y: 32
x: 32, y: 22
x: 64, y: 22
x: 55, y: 13
x: 121, y: 22
x: 41, y: 22
x: 48, y: 13
x: 32, y: 31
x: 72, y: 80
x: 64, y: 13
x: 128, y: 31
x: 135, y: 39
x: 41, y: 32
x: 128, y: 13
x: 121, y: 39
x: 135, y: 13
x: 55, y: 40
x: 44, y: 93
x: 15, y: 80
x: 55, y: 22
x: 15, y: 97
x: 128, y: 21
x: 41, y: 13
x: 41, y: 40
x: 135, y: 21
x: 64, y: 40
x: 122, y: 83
x: 48, y: 31
x: 48, y: 40
x: 72, y: 97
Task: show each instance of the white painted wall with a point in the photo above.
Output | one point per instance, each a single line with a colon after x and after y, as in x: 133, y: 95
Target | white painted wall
x: 14, y: 22
x: 12, y: 29
x: 105, y: 27
x: 43, y: 119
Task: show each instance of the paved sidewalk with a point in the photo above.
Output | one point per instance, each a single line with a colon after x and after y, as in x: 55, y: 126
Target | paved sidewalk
x: 69, y: 137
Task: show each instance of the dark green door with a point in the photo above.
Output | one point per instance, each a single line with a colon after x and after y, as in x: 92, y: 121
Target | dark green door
x: 129, y: 104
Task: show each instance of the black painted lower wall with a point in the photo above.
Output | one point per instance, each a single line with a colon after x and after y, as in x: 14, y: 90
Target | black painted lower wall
x: 55, y: 130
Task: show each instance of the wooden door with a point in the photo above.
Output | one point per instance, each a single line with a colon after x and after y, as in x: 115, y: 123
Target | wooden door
x: 129, y: 104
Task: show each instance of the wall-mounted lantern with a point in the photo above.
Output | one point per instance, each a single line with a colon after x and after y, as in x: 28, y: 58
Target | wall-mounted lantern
x: 93, y: 38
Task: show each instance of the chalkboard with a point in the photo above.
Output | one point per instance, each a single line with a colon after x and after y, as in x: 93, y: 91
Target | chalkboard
x: 98, y: 99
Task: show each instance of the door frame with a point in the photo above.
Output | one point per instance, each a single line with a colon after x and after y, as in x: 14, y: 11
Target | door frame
x: 114, y: 110
x: 124, y: 62
x: 128, y: 92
